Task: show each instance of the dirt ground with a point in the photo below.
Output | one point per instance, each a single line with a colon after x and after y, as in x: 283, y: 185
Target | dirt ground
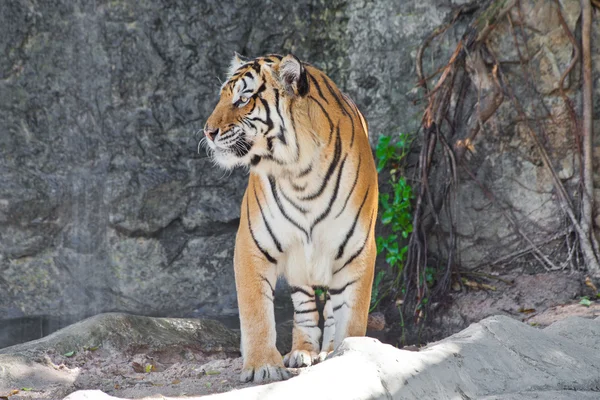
x: 183, y: 370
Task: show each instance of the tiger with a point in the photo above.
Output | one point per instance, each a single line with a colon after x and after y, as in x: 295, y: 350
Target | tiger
x: 309, y: 210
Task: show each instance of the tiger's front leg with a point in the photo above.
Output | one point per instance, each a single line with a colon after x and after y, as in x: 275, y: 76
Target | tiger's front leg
x: 350, y: 293
x: 306, y: 332
x: 255, y: 278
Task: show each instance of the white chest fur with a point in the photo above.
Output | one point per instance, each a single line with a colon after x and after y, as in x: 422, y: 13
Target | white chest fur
x: 310, y: 236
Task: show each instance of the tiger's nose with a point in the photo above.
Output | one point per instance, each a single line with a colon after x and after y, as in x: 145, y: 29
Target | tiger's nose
x: 211, y: 134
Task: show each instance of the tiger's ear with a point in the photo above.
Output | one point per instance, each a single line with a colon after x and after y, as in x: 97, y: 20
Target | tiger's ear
x: 238, y: 61
x: 293, y: 75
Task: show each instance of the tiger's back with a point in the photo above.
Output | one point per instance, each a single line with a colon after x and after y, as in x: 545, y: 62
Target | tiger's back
x: 308, y: 212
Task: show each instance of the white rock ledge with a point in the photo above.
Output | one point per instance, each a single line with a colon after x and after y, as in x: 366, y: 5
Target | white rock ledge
x: 496, y: 359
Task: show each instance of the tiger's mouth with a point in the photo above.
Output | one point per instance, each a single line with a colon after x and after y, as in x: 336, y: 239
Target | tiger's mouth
x: 230, y: 147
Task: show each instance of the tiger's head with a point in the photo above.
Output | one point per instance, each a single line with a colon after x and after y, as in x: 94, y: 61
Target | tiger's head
x: 253, y: 119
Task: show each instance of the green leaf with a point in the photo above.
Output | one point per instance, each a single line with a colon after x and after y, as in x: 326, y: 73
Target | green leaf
x: 26, y: 389
x: 585, y: 301
x: 379, y: 277
x: 391, y: 259
x: 387, y: 217
x: 69, y: 354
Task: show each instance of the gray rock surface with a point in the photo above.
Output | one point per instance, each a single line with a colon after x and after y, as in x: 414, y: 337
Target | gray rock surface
x: 104, y: 200
x: 126, y: 333
x: 498, y: 358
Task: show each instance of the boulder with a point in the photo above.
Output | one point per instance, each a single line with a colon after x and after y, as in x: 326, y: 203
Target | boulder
x: 107, y: 349
x: 498, y: 358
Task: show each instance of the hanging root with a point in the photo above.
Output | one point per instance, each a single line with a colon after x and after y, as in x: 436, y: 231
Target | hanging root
x: 473, y: 68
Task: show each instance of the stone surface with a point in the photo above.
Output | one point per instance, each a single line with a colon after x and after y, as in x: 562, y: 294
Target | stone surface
x: 104, y: 200
x: 102, y: 352
x: 498, y: 358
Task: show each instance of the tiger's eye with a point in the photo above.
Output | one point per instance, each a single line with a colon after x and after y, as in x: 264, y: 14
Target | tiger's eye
x: 243, y: 99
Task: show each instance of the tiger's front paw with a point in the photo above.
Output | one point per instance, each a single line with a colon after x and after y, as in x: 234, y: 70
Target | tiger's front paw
x: 300, y: 358
x: 264, y: 370
x: 265, y: 373
x: 323, y: 355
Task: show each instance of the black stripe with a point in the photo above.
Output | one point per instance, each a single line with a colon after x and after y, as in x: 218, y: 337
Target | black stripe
x: 265, y: 253
x: 268, y: 120
x: 340, y: 306
x: 334, y: 95
x: 307, y: 301
x: 335, y: 292
x: 280, y: 206
x: 253, y: 107
x: 312, y: 78
x: 352, y: 188
x: 336, y: 158
x: 268, y: 283
x: 308, y: 326
x: 296, y: 289
x: 281, y: 134
x: 352, y: 140
x: 269, y: 297
x: 296, y: 206
x: 246, y: 122
x: 306, y: 311
x: 271, y: 158
x: 296, y: 187
x: 261, y: 89
x: 258, y: 119
x: 256, y: 66
x: 228, y: 134
x: 350, y: 104
x: 333, y: 197
x: 275, y: 240
x: 359, y: 250
x: 291, y: 112
x: 352, y: 228
x: 305, y: 172
x: 326, y: 115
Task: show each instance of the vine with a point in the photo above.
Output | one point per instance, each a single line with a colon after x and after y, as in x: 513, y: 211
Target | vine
x: 446, y: 138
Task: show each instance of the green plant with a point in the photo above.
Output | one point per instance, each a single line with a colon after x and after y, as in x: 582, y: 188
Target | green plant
x: 585, y: 301
x: 396, y: 211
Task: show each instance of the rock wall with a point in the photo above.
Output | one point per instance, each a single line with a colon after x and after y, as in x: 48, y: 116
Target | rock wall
x: 105, y: 202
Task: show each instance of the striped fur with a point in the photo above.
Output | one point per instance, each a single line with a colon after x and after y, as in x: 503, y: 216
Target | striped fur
x: 308, y: 212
